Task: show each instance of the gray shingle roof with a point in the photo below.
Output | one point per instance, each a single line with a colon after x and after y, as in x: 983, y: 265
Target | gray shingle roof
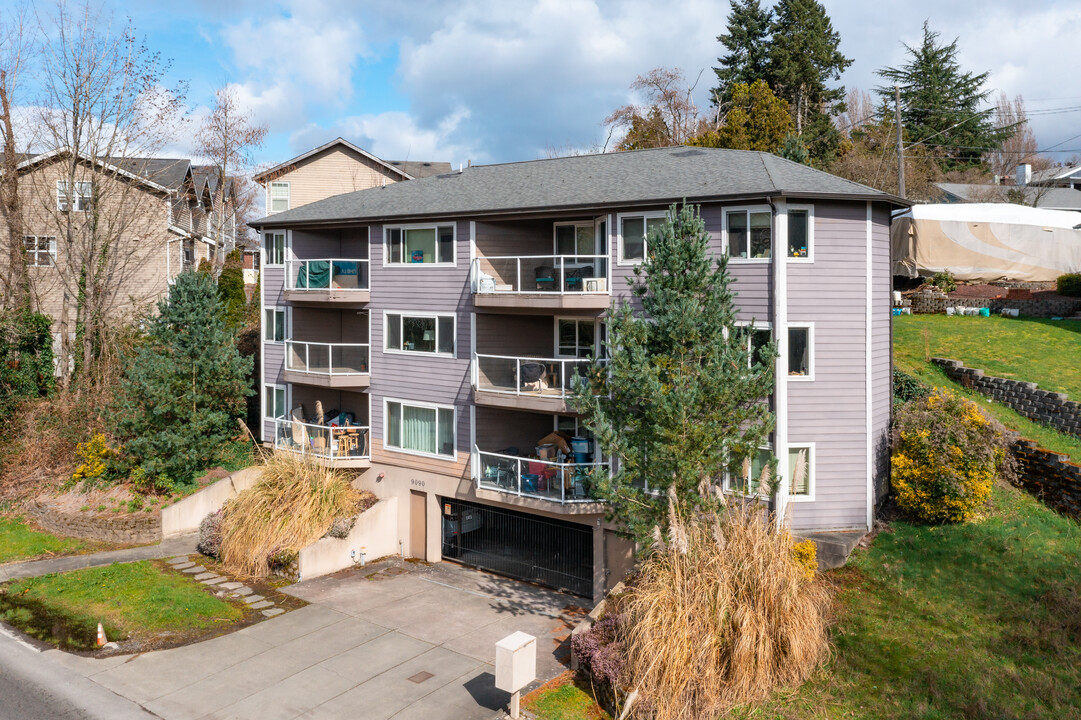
x: 1055, y: 198
x: 420, y: 169
x: 644, y: 176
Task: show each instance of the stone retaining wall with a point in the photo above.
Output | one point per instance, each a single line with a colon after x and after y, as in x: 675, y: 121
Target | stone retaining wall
x: 1044, y: 406
x: 927, y: 302
x: 135, y: 528
x: 1049, y: 476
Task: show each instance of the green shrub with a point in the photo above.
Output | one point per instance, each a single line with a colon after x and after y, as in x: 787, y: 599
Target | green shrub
x: 26, y: 359
x: 906, y: 387
x: 946, y: 457
x: 1069, y: 285
x: 944, y: 281
x: 234, y: 303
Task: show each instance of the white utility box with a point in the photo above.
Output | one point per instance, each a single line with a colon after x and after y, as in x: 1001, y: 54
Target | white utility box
x: 515, y: 662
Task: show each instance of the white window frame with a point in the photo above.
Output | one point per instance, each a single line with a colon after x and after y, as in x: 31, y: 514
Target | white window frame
x: 591, y: 224
x: 646, y: 216
x: 286, y: 323
x: 426, y: 405
x: 730, y: 489
x: 810, y: 209
x: 275, y: 387
x: 597, y: 343
x: 756, y: 325
x: 747, y: 210
x: 62, y: 198
x: 420, y: 226
x: 266, y: 247
x: 270, y: 196
x: 419, y: 314
x: 811, y: 457
x: 37, y: 253
x: 810, y: 376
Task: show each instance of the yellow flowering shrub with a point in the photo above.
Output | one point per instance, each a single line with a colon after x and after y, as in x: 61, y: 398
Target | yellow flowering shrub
x: 806, y: 554
x: 946, y: 456
x: 95, y: 454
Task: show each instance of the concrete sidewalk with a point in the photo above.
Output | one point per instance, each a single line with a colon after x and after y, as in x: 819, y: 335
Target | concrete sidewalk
x: 397, y: 640
x: 36, y: 568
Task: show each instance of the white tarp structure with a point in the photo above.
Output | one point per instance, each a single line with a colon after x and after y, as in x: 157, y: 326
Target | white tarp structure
x: 986, y: 242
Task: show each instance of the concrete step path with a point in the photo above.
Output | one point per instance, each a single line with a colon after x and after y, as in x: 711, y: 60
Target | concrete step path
x: 36, y: 568
x: 232, y: 589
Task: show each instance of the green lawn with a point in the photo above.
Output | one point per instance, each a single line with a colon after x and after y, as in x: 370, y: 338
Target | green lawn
x: 563, y: 699
x: 1047, y: 352
x: 909, y: 355
x: 136, y: 599
x: 19, y: 542
x: 981, y: 620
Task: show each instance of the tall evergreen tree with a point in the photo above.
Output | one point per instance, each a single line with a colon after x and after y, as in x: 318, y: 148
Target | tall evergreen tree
x: 747, y: 42
x: 804, y: 57
x: 183, y: 389
x: 680, y: 401
x: 943, y: 107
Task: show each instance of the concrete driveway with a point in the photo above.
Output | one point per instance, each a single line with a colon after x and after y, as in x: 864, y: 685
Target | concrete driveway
x: 395, y: 640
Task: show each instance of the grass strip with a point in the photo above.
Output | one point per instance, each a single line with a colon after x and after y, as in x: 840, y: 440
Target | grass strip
x: 19, y: 542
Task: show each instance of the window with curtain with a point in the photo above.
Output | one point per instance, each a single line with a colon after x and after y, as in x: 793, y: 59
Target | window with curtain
x: 279, y: 197
x: 749, y: 234
x: 422, y: 429
x: 420, y: 246
x: 432, y: 334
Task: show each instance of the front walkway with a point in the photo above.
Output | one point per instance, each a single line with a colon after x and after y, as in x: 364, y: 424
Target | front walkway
x: 179, y: 545
x: 394, y: 640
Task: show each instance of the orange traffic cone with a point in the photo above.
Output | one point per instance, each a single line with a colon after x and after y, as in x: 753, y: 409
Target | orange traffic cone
x: 101, y: 636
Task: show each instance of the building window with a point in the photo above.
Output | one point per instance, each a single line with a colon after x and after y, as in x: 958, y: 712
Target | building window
x: 801, y: 232
x: 428, y: 245
x: 420, y: 333
x: 426, y: 429
x: 40, y: 251
x: 274, y: 325
x: 754, y: 474
x: 634, y: 232
x: 757, y: 338
x: 575, y: 338
x: 575, y: 239
x: 83, y: 191
x: 801, y: 351
x: 801, y: 470
x: 274, y: 402
x: 187, y: 254
x: 749, y: 234
x: 279, y: 197
x: 274, y: 242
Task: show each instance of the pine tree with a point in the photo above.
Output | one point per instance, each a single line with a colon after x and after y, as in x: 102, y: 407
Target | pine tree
x: 747, y: 42
x: 679, y: 402
x: 185, y: 387
x: 804, y: 57
x: 943, y: 107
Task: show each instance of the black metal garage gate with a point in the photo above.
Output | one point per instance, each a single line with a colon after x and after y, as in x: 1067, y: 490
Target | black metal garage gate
x: 549, y: 552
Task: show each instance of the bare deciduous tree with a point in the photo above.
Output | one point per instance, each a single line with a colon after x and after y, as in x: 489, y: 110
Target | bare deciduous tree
x: 859, y: 112
x: 14, y: 47
x: 1021, y: 147
x: 226, y: 138
x: 669, y: 117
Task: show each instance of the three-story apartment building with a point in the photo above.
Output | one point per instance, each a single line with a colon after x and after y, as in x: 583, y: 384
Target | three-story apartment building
x: 427, y: 332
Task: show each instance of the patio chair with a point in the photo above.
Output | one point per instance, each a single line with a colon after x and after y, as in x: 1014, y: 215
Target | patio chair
x: 533, y: 376
x: 546, y: 277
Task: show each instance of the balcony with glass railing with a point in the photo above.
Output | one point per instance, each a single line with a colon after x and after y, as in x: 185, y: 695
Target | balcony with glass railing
x: 327, y: 280
x: 336, y: 365
x: 549, y: 281
x: 531, y: 383
x: 345, y: 446
x: 557, y: 482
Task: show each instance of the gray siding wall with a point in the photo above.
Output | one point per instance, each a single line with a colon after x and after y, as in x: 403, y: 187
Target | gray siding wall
x: 330, y: 325
x: 438, y: 380
x: 272, y: 286
x: 499, y: 429
x: 345, y: 243
x: 881, y: 349
x: 518, y: 335
x: 830, y: 411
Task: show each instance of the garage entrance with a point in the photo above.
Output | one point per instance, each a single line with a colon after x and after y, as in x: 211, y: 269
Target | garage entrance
x: 549, y: 552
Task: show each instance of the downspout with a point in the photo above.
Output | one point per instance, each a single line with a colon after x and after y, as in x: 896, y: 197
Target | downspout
x: 780, y: 334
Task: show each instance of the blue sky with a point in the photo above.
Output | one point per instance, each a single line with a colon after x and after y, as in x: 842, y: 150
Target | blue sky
x: 492, y: 81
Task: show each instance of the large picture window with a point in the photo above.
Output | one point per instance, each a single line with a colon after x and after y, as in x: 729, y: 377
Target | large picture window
x: 749, y: 234
x: 274, y: 243
x: 426, y: 429
x: 634, y: 232
x: 429, y: 245
x: 420, y: 333
x: 40, y: 251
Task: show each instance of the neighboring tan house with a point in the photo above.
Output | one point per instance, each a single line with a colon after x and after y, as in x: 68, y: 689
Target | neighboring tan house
x: 151, y: 214
x: 332, y: 169
x: 443, y: 372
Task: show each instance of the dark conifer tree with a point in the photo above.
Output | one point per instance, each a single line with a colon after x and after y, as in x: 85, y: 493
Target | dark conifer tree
x: 747, y: 42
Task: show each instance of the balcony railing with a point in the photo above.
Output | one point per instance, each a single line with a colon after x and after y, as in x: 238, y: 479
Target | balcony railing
x: 562, y: 274
x: 525, y: 477
x: 326, y: 274
x: 322, y: 441
x: 530, y: 376
x: 326, y: 358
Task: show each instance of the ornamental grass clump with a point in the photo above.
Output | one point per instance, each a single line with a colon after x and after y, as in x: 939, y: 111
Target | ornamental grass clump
x: 721, y: 614
x: 946, y: 457
x: 294, y: 504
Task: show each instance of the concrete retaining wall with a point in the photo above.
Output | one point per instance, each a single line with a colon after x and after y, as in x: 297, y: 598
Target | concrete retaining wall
x: 927, y: 302
x: 1050, y: 477
x: 185, y: 515
x: 135, y: 528
x: 1050, y: 408
x: 376, y: 531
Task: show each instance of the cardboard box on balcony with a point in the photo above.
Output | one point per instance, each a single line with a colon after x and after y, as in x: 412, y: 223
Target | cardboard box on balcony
x: 560, y: 439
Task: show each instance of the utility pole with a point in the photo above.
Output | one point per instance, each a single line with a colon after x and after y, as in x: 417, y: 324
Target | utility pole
x: 900, y: 144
